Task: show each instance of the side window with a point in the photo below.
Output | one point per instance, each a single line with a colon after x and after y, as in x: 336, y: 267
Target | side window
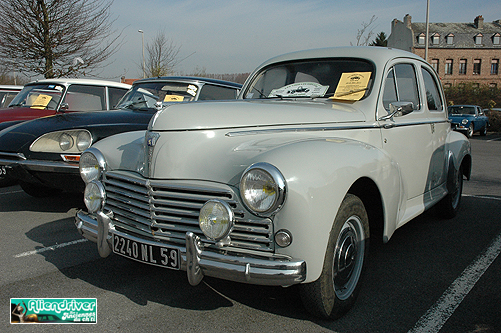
x: 115, y: 94
x: 401, y: 86
x: 85, y: 98
x: 210, y: 92
x: 433, y: 98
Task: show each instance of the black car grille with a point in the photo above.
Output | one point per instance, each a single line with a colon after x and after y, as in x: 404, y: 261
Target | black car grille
x: 166, y: 210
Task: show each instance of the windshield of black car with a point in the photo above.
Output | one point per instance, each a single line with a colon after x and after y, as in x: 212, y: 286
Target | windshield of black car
x: 310, y: 79
x: 150, y: 95
x: 39, y: 96
x: 461, y: 110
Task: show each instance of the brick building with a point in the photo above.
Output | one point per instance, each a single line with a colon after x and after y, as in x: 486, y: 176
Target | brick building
x: 459, y: 52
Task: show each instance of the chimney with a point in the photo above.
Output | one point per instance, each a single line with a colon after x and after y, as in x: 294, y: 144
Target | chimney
x: 407, y: 21
x: 479, y: 22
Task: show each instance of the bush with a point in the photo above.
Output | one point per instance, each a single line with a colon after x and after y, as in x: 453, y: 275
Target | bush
x: 470, y: 94
x: 495, y: 121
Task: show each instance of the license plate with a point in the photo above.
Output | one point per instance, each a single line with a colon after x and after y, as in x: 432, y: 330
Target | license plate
x: 157, y: 255
x: 3, y: 170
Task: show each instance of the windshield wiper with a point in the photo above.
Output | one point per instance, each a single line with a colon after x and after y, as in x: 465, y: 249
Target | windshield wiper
x: 351, y: 92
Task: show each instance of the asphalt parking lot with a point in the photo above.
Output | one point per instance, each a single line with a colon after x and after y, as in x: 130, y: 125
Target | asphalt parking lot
x: 433, y: 276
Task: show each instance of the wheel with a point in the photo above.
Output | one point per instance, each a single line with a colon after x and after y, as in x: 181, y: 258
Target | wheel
x: 469, y: 133
x: 6, y: 181
x: 483, y: 132
x: 449, y: 205
x: 336, y: 290
x: 39, y: 191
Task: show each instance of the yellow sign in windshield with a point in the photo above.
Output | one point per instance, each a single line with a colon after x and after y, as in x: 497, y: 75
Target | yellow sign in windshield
x: 352, y: 86
x: 41, y: 101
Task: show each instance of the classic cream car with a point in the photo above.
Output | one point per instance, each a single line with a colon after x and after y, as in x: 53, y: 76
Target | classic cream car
x: 324, y: 150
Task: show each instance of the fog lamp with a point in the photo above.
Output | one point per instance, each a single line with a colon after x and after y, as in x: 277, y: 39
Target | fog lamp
x: 94, y: 196
x: 216, y: 219
x: 283, y: 238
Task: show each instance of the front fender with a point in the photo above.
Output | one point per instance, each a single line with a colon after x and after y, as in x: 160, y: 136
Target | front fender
x: 319, y: 173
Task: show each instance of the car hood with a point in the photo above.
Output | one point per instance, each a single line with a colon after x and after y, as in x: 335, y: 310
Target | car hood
x: 183, y: 138
x: 22, y: 113
x: 253, y: 113
x: 19, y: 137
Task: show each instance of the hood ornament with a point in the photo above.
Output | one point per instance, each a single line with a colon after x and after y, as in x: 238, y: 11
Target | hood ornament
x: 150, y: 140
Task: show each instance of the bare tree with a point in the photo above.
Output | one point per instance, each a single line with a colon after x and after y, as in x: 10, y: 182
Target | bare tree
x: 56, y: 38
x: 162, y: 56
x: 365, y: 34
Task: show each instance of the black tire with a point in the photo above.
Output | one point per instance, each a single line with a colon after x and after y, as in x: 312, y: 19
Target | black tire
x: 483, y: 132
x: 39, y: 191
x: 337, y: 288
x: 469, y: 132
x: 7, y: 181
x: 449, y: 205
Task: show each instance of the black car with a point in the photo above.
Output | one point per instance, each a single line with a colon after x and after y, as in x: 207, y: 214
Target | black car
x: 42, y: 155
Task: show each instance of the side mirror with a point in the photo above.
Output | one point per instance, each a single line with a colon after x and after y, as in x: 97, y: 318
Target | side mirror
x: 64, y: 107
x: 398, y: 109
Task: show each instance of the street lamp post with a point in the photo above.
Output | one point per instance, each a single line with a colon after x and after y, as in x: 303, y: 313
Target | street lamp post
x: 142, y: 37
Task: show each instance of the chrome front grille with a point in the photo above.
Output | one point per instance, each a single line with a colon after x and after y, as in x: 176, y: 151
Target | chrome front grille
x: 166, y: 210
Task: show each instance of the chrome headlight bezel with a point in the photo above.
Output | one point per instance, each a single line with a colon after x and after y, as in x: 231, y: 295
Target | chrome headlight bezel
x: 94, y: 196
x: 66, y: 141
x: 464, y: 121
x: 216, y: 219
x: 263, y: 189
x: 92, y: 165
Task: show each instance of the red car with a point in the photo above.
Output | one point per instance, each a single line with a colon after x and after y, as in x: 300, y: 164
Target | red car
x: 52, y: 96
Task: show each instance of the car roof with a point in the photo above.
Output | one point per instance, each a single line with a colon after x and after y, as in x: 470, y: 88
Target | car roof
x: 375, y: 53
x: 10, y: 87
x: 192, y: 79
x: 89, y: 82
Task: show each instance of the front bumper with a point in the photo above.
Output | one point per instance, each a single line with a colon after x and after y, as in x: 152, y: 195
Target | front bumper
x: 198, y: 261
x: 56, y: 174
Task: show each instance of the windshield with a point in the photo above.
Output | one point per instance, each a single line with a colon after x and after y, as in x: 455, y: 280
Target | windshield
x: 39, y: 96
x: 461, y: 110
x: 347, y: 78
x: 153, y: 95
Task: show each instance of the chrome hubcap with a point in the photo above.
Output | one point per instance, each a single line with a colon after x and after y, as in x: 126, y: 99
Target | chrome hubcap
x: 348, y: 257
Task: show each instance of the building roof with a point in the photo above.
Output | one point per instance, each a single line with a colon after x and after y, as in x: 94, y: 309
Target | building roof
x: 464, y: 33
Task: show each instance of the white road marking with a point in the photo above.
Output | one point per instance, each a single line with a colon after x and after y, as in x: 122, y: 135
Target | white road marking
x: 443, y: 309
x: 481, y: 197
x: 49, y: 248
x: 11, y: 192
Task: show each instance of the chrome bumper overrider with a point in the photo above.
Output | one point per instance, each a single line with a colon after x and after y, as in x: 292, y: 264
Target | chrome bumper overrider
x: 198, y: 262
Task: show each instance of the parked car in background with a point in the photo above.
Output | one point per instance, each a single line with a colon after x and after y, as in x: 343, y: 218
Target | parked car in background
x: 493, y: 110
x: 323, y: 152
x: 43, y: 154
x: 7, y: 94
x: 468, y: 119
x: 53, y: 96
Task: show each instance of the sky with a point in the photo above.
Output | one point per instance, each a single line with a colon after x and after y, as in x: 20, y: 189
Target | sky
x: 235, y: 36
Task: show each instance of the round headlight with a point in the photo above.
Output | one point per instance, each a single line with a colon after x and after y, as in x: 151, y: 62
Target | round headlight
x: 91, y: 165
x: 94, y: 196
x: 83, y: 140
x: 65, y: 141
x: 464, y: 121
x: 262, y: 188
x: 216, y: 219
